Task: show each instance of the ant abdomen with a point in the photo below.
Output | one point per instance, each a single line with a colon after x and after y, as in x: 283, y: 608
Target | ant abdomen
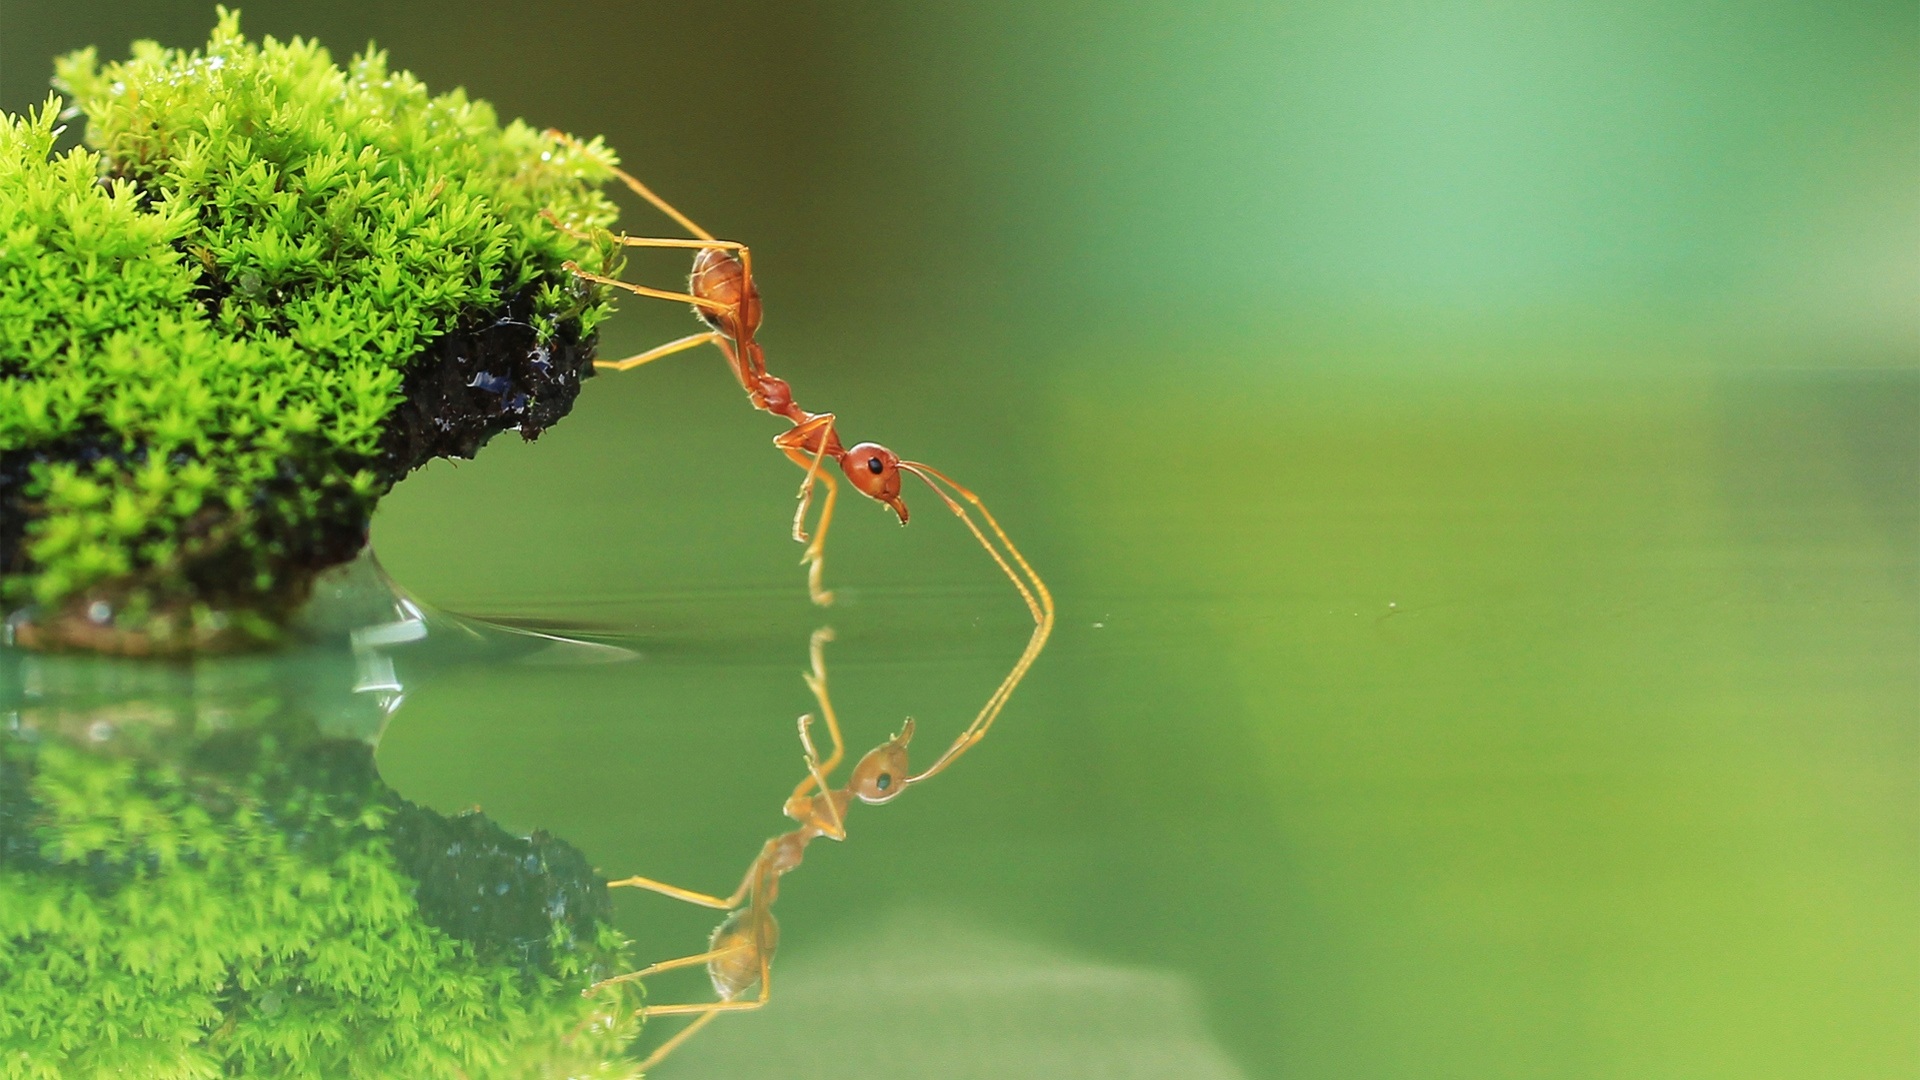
x: 718, y: 275
x: 743, y: 946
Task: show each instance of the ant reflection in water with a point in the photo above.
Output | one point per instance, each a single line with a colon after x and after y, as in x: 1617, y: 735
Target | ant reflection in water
x: 723, y: 294
x: 739, y: 956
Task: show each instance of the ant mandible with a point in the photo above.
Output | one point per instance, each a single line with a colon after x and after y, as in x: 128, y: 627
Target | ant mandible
x: 724, y: 295
x: 739, y: 954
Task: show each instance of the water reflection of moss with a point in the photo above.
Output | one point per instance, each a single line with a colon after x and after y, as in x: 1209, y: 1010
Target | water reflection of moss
x: 255, y: 902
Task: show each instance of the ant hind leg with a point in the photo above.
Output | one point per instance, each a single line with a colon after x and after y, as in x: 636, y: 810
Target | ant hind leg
x: 660, y: 1052
x: 678, y: 345
x: 691, y: 897
x: 655, y: 969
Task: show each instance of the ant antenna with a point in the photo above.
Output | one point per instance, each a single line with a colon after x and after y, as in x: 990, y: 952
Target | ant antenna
x: 1032, y: 589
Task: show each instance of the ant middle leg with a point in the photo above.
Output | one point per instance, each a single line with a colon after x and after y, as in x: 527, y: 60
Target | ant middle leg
x: 724, y: 1005
x: 720, y: 310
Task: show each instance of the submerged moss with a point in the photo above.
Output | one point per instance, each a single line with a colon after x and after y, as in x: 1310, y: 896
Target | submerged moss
x: 207, y: 886
x: 270, y: 288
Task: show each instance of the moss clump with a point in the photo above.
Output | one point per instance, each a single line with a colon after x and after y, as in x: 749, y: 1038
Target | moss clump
x: 270, y: 288
x: 187, y: 899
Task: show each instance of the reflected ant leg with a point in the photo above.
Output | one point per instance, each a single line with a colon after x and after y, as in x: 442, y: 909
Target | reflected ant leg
x: 660, y: 1052
x: 664, y: 965
x: 1032, y: 589
x: 691, y: 897
x: 826, y: 816
x: 704, y: 1012
x: 817, y: 682
x: 697, y: 1008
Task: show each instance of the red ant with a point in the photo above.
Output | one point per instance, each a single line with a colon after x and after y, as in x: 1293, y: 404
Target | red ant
x: 739, y: 954
x: 723, y: 294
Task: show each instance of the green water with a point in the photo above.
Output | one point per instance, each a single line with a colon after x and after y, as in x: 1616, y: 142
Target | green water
x: 1476, y: 451
x: 1431, y: 726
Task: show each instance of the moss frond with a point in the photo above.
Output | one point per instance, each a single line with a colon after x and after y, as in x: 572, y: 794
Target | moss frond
x: 208, y: 318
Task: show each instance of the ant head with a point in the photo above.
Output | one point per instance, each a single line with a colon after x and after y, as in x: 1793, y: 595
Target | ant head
x: 719, y: 276
x: 882, y: 774
x: 875, y: 470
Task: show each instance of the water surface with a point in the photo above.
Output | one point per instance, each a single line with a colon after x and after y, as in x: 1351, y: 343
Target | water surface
x: 1432, y: 725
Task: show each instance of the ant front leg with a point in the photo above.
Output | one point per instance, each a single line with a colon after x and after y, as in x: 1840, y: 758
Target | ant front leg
x: 634, y: 185
x: 808, y: 443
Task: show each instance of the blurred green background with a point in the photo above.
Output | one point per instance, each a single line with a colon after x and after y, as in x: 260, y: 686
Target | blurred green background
x: 1476, y: 448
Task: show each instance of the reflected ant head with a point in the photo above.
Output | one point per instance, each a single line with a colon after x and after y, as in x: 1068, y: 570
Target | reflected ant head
x: 718, y: 275
x: 882, y: 774
x: 875, y: 470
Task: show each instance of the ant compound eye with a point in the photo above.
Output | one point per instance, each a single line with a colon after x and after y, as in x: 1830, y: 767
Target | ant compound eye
x: 883, y: 781
x: 875, y: 465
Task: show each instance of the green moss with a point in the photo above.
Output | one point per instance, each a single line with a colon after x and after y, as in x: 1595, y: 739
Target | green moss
x: 236, y: 899
x: 213, y: 323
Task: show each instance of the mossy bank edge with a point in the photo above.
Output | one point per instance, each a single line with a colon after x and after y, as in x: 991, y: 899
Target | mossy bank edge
x: 266, y: 289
